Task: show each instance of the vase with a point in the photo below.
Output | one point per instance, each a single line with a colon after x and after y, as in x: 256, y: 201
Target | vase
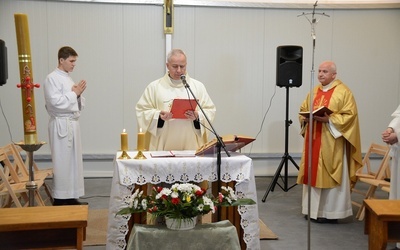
x: 181, y: 224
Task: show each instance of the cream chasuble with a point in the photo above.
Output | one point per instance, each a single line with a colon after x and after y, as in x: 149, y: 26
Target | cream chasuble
x: 395, y: 154
x: 176, y: 134
x: 394, y: 164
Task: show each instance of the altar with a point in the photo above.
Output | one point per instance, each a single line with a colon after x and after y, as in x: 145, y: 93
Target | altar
x: 131, y: 173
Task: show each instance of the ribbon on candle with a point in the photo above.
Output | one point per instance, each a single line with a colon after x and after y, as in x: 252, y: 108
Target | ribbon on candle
x: 140, y: 140
x: 124, y: 141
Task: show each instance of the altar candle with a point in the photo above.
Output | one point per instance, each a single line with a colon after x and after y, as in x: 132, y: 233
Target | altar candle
x: 26, y: 75
x: 124, y: 141
x: 140, y: 140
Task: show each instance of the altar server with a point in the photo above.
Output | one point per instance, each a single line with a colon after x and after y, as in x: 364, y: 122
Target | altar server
x: 64, y: 103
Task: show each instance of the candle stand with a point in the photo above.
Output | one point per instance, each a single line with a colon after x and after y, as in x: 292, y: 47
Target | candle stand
x: 31, y: 184
x: 124, y: 155
x: 140, y: 156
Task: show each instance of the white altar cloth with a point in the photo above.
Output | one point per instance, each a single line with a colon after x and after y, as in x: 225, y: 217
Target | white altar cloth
x: 127, y: 173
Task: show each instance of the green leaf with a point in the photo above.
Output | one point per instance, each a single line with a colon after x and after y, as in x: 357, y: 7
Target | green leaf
x: 125, y: 210
x: 239, y: 202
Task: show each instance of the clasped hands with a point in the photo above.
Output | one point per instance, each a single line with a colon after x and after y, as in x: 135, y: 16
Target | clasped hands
x: 79, y: 88
x: 190, y: 115
x: 389, y: 136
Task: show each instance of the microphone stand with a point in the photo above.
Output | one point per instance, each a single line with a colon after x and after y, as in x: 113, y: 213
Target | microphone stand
x: 220, y: 142
x: 313, y: 23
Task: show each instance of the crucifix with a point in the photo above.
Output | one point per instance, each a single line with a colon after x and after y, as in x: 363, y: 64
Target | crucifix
x: 168, y: 16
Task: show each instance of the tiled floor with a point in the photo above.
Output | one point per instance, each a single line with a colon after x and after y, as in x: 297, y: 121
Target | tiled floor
x: 281, y: 211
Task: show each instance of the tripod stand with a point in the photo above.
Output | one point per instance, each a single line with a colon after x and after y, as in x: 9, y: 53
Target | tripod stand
x: 285, y: 158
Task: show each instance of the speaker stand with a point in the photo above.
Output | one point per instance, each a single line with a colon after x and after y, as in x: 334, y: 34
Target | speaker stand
x: 285, y: 158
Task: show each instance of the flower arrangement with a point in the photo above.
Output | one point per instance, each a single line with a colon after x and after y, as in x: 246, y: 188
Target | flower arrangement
x: 181, y: 201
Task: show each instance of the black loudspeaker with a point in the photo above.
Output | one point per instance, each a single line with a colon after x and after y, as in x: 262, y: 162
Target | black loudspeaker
x: 289, y: 66
x: 3, y: 63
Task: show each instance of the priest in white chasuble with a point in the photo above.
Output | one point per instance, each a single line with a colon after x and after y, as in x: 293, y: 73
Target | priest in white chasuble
x: 391, y: 136
x: 153, y: 110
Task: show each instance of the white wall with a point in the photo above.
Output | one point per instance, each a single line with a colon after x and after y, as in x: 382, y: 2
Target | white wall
x: 232, y: 51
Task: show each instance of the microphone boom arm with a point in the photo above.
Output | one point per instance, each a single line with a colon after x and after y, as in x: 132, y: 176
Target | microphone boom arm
x: 219, y: 139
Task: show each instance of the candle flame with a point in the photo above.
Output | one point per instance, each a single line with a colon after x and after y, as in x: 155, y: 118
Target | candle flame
x: 140, y: 130
x: 123, y: 131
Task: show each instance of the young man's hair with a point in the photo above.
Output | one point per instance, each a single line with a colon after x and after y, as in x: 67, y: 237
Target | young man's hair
x: 66, y: 52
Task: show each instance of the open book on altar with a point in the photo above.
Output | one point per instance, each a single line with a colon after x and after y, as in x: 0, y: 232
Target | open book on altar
x: 318, y: 112
x: 180, y: 106
x: 232, y: 143
x: 173, y: 153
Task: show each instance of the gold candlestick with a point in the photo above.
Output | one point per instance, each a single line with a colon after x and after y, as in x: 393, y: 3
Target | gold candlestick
x: 140, y: 145
x: 124, y: 145
x: 31, y: 185
x: 26, y: 75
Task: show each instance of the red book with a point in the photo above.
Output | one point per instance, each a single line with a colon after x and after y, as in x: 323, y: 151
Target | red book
x: 180, y: 106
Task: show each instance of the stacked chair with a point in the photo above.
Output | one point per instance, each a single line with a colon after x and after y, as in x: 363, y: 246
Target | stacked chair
x: 373, y: 175
x: 14, y: 175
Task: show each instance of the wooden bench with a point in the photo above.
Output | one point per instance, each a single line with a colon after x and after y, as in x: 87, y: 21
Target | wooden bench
x: 46, y: 227
x: 382, y: 222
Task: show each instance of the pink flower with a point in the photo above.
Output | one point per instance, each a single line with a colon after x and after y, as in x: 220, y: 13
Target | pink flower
x: 153, y: 209
x: 220, y: 197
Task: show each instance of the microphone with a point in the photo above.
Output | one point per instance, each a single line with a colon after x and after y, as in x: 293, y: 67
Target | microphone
x: 183, y: 78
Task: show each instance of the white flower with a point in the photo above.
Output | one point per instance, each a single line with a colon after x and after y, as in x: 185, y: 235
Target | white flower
x: 174, y: 195
x: 135, y: 194
x: 184, y: 188
x: 130, y: 201
x: 208, y: 201
x: 144, y: 204
x: 231, y: 194
x: 164, y: 191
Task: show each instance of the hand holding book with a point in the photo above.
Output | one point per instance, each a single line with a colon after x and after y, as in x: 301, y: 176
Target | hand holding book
x: 318, y: 112
x: 180, y: 106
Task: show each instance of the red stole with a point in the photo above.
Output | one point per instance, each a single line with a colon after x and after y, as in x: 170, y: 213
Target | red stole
x: 321, y: 99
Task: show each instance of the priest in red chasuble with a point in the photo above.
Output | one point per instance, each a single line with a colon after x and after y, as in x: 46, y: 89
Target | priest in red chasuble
x: 336, y: 149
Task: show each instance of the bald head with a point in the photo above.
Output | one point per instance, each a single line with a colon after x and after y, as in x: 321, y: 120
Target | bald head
x: 326, y: 72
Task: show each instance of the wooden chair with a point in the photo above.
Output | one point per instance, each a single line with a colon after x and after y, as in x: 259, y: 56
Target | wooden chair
x: 369, y: 169
x: 39, y: 174
x: 385, y: 186
x: 19, y: 170
x: 22, y: 167
x: 12, y: 190
x: 375, y: 151
x: 370, y: 177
